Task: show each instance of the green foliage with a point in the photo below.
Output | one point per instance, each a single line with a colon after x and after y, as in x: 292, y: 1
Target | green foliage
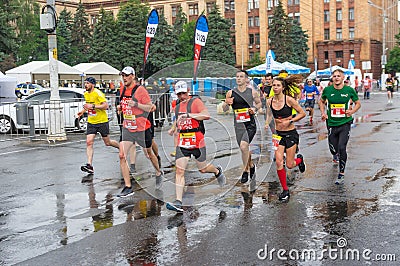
x: 185, y: 42
x: 255, y: 61
x: 219, y: 46
x: 8, y: 39
x: 80, y: 36
x: 103, y: 40
x: 287, y: 39
x: 180, y: 21
x: 393, y: 64
x: 163, y: 49
x: 64, y: 40
x: 131, y: 28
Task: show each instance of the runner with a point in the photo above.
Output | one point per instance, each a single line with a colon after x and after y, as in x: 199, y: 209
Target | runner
x: 339, y: 117
x: 310, y: 90
x: 96, y: 106
x: 389, y: 87
x: 135, y: 106
x: 241, y: 99
x: 190, y: 113
x: 286, y: 138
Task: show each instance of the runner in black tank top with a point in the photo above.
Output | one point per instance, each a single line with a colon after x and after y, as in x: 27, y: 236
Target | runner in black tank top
x: 245, y: 102
x: 286, y: 138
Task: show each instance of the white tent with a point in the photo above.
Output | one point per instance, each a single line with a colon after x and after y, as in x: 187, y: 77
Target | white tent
x: 98, y: 70
x: 328, y: 71
x: 7, y: 88
x: 39, y: 70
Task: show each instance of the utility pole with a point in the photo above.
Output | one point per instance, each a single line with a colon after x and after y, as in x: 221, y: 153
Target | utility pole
x: 56, y: 130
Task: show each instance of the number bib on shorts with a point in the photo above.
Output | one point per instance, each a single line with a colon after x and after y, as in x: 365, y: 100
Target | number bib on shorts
x: 310, y: 96
x: 92, y: 112
x: 130, y: 122
x: 275, y: 141
x: 242, y: 115
x: 187, y: 140
x: 338, y: 110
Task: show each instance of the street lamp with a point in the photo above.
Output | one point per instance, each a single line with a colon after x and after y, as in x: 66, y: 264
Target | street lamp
x: 383, y: 58
x: 241, y: 44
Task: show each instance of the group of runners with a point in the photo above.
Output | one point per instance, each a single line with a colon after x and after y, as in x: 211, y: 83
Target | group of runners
x: 282, y: 110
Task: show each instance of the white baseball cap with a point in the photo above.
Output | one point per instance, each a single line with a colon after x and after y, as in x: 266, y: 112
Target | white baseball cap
x: 128, y: 70
x: 181, y: 86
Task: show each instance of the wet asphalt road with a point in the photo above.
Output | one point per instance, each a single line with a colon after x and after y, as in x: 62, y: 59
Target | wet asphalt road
x: 52, y: 214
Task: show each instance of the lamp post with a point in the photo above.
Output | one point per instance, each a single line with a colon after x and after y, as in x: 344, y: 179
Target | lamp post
x: 241, y: 44
x: 383, y: 58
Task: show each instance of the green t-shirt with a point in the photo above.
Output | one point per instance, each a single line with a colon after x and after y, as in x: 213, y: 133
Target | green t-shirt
x: 338, y: 103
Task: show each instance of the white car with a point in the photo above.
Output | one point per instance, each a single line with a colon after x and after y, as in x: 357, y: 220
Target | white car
x: 72, y: 101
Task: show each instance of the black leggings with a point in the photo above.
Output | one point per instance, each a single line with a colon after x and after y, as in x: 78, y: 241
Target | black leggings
x: 337, y: 139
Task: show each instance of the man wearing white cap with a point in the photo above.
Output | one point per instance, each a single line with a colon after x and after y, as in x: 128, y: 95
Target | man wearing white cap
x: 190, y: 113
x: 136, y: 128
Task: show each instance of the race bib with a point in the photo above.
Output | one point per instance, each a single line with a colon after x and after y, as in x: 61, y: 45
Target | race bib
x: 310, y: 96
x: 275, y: 141
x: 187, y: 140
x: 92, y: 112
x: 338, y: 110
x: 242, y: 115
x: 130, y: 124
x: 129, y: 117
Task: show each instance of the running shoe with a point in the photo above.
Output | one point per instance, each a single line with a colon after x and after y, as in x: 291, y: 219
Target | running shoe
x: 340, y: 179
x: 173, y: 154
x: 159, y: 180
x: 302, y: 165
x: 220, y: 176
x: 87, y: 168
x: 175, y: 206
x: 159, y: 161
x: 126, y: 191
x: 253, y: 172
x: 132, y: 168
x: 245, y: 177
x: 284, y: 196
x: 335, y: 158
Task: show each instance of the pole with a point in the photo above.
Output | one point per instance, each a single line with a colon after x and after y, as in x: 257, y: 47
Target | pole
x: 56, y: 115
x: 241, y: 45
x: 383, y: 83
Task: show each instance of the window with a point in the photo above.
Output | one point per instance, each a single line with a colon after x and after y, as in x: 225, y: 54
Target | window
x: 326, y: 55
x: 351, y: 13
x: 297, y: 18
x: 160, y: 10
x: 338, y: 34
x: 339, y: 54
x: 338, y: 15
x: 351, y: 33
x: 326, y: 15
x: 251, y: 55
x: 193, y: 9
x: 296, y: 2
x: 351, y: 53
x: 250, y: 5
x: 256, y: 3
x: 229, y: 5
x: 326, y: 34
x: 94, y: 20
x: 326, y: 1
x: 270, y: 17
x: 257, y: 21
x: 290, y: 2
x: 251, y: 22
x: 232, y: 5
x: 251, y: 39
x: 210, y: 6
x: 270, y: 4
x: 174, y: 11
x: 257, y: 38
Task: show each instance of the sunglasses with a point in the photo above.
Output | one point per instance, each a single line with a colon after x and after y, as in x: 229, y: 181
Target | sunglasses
x: 125, y: 75
x: 180, y: 93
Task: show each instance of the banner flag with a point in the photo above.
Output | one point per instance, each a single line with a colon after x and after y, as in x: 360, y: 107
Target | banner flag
x: 269, y: 60
x: 152, y: 23
x: 200, y: 38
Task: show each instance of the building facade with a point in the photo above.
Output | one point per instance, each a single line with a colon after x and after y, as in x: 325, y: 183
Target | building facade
x: 338, y: 30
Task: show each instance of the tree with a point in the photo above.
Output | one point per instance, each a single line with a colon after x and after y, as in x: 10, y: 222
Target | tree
x: 180, y: 21
x: 131, y: 30
x: 278, y: 35
x: 32, y: 41
x: 393, y: 63
x: 255, y: 61
x: 64, y: 42
x: 163, y: 49
x: 185, y: 42
x: 103, y: 40
x: 80, y: 36
x: 8, y: 40
x: 299, y: 40
x: 219, y: 45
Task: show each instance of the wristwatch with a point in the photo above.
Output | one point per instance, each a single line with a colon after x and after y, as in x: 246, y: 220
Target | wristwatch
x: 291, y: 121
x: 93, y: 106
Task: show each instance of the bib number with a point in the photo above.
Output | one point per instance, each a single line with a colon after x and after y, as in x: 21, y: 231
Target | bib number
x: 130, y: 122
x: 92, y: 112
x: 310, y: 96
x: 275, y: 141
x: 338, y: 110
x: 242, y: 115
x: 187, y: 140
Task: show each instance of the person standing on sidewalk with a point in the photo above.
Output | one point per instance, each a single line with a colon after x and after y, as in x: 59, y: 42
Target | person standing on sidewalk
x: 245, y: 103
x: 339, y: 117
x: 96, y: 106
x: 190, y: 113
x: 286, y: 138
x: 135, y: 106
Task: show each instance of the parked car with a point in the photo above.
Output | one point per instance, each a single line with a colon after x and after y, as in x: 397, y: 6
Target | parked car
x: 72, y: 101
x: 25, y: 89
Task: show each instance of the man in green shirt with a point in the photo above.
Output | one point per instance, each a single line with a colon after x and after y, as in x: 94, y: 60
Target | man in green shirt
x: 339, y: 116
